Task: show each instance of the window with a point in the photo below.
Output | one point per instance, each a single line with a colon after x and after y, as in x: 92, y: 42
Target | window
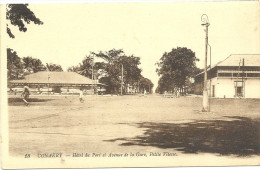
x: 253, y: 74
x: 225, y: 74
x: 239, y: 74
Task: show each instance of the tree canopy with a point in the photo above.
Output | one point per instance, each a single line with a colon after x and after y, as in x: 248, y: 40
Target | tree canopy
x: 109, y: 71
x: 14, y: 65
x: 85, y: 67
x: 19, y: 14
x: 33, y: 65
x: 175, y: 67
x: 116, y: 60
x: 145, y: 84
x: 19, y: 67
x: 54, y: 67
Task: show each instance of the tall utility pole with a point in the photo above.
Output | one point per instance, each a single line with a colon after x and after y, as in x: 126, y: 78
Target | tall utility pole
x: 210, y: 92
x: 243, y: 84
x: 205, y: 22
x: 93, y: 75
x: 48, y: 83
x: 122, y: 79
x: 48, y: 70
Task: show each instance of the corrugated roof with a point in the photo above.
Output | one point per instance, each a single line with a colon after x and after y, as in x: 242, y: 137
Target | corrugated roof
x: 235, y: 59
x: 55, y: 78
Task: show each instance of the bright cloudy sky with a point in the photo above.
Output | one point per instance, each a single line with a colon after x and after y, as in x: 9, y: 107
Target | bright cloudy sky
x: 146, y: 29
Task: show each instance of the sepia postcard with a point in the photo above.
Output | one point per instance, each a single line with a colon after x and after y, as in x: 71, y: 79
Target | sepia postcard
x: 130, y: 84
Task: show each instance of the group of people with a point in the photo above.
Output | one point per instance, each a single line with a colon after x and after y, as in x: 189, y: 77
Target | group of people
x: 176, y: 93
x: 26, y: 93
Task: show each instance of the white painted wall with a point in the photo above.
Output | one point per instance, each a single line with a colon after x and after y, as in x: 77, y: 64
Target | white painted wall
x: 252, y: 88
x: 224, y: 87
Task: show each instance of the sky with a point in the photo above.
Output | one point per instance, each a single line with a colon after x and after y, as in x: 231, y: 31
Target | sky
x: 144, y: 29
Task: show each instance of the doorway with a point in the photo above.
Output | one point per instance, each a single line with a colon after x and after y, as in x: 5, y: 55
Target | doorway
x: 239, y: 89
x: 213, y: 90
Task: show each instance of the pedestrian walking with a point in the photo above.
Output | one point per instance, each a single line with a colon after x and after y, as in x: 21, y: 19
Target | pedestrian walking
x: 178, y: 93
x: 165, y: 94
x: 81, y: 96
x: 25, y: 94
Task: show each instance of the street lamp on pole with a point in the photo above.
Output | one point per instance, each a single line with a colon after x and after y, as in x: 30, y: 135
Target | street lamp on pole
x: 205, y: 22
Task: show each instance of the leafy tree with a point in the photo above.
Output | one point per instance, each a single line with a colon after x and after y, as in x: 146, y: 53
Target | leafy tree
x: 109, y: 56
x: 33, y: 65
x: 175, y: 67
x: 132, y: 72
x: 73, y: 69
x: 115, y: 59
x: 19, y: 14
x: 18, y: 67
x: 145, y: 84
x: 112, y: 69
x: 109, y: 71
x: 54, y: 67
x: 165, y: 84
x: 14, y: 65
x: 198, y: 70
x: 85, y: 68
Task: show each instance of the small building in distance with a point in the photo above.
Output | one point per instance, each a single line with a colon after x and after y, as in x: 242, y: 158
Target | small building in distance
x: 57, y: 83
x: 236, y: 76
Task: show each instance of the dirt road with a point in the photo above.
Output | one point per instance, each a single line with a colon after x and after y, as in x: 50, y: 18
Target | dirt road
x: 120, y: 124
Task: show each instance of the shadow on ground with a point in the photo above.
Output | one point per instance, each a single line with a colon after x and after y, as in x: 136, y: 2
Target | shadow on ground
x: 239, y: 136
x: 19, y: 101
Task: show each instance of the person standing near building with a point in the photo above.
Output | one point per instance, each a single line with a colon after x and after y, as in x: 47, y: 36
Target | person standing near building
x: 165, y: 94
x: 178, y: 93
x: 25, y: 95
x: 81, y: 96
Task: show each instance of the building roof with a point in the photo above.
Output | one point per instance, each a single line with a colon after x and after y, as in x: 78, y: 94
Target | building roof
x: 236, y: 59
x: 54, y: 78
